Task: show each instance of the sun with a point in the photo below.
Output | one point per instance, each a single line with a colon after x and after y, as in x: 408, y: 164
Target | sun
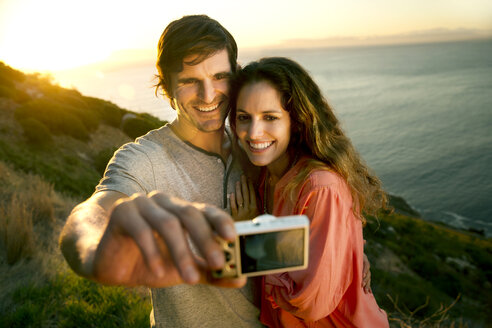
x: 42, y: 40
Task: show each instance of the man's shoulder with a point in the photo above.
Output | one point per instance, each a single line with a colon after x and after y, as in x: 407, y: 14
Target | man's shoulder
x: 154, y: 140
x: 159, y: 137
x: 143, y: 148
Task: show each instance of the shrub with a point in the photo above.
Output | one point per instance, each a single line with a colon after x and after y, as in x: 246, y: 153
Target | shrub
x: 6, y: 91
x: 75, y: 128
x: 138, y: 126
x: 154, y: 120
x: 58, y: 118
x: 108, y: 112
x: 102, y: 158
x: 12, y: 93
x: 21, y: 96
x: 9, y: 74
x: 35, y: 131
x: 88, y: 117
x: 5, y: 81
x: 77, y: 105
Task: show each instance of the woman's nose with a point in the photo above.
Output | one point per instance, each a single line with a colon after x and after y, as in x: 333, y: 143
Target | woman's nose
x: 255, y: 129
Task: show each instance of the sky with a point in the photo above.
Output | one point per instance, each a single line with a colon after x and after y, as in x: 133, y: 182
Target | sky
x: 52, y: 35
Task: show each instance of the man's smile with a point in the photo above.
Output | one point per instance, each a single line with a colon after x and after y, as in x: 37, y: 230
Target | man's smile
x: 208, y: 108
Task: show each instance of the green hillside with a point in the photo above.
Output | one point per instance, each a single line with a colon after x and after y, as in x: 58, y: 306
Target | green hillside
x: 54, y: 145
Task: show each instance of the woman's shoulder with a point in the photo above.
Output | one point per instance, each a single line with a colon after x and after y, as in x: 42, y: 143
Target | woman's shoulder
x: 325, y: 178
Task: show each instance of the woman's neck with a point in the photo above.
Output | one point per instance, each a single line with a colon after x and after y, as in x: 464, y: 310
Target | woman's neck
x: 277, y: 169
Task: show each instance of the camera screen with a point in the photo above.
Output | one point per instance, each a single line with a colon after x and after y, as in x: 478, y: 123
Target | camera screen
x: 272, y: 250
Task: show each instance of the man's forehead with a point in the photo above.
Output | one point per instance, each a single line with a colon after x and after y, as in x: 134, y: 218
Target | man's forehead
x: 215, y: 63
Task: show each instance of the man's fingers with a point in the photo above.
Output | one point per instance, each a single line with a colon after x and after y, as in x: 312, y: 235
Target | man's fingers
x: 141, y: 233
x: 220, y: 221
x: 169, y: 228
x: 196, y: 223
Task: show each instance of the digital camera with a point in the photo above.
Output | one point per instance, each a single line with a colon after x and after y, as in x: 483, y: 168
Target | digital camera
x: 265, y: 245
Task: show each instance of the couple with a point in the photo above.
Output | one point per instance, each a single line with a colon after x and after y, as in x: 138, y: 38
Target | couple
x: 134, y: 229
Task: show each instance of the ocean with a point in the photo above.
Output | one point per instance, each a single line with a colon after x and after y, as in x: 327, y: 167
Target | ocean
x: 420, y: 115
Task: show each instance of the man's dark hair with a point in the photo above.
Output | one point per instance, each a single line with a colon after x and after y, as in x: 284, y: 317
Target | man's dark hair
x: 191, y: 35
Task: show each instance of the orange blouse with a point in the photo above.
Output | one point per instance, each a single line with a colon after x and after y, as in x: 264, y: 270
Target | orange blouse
x: 328, y: 293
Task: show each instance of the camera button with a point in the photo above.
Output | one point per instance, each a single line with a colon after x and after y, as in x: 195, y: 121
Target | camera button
x: 228, y: 256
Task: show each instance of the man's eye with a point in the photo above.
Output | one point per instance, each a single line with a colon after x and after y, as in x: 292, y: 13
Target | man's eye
x: 222, y: 76
x: 187, y: 82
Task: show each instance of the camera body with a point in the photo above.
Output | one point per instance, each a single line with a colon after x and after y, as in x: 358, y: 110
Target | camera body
x: 265, y: 245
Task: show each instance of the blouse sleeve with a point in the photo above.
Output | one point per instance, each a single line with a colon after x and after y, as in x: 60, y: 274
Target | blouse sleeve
x: 314, y: 293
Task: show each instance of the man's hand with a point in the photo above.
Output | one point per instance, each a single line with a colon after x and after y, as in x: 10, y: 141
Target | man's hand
x: 145, y: 241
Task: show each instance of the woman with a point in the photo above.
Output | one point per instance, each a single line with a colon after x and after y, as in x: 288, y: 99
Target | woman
x: 310, y: 167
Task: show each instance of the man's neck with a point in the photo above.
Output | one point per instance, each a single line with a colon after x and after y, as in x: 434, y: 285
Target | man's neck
x: 213, y: 142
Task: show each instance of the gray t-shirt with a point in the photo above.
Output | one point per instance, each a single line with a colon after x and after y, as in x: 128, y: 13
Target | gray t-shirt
x: 161, y: 161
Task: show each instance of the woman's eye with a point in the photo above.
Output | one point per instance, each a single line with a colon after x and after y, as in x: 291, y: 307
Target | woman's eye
x: 271, y: 118
x: 242, y: 118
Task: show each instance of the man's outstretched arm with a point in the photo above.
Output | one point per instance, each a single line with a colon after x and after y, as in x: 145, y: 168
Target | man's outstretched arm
x: 83, y: 231
x: 142, y: 240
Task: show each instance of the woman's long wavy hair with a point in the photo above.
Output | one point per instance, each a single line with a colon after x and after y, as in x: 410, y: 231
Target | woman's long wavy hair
x: 315, y: 130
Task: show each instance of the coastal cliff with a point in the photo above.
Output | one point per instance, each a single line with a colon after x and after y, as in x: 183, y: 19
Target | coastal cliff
x: 54, y: 145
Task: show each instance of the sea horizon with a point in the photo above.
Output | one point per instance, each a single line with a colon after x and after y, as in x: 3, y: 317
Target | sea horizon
x: 418, y: 113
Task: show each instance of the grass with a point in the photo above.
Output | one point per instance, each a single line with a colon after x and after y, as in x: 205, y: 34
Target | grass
x: 404, y: 318
x: 16, y: 230
x: 440, y: 265
x: 38, y: 288
x: 67, y: 172
x: 71, y: 301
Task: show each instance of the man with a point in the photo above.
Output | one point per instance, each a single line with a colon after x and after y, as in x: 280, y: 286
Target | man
x: 132, y: 232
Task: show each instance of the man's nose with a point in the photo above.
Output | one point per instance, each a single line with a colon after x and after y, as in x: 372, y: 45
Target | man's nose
x: 207, y: 92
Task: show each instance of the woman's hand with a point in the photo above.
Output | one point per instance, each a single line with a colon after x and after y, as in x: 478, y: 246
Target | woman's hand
x: 366, y: 274
x: 243, y: 201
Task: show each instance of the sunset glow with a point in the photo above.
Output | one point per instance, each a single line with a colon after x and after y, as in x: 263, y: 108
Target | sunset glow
x: 57, y: 34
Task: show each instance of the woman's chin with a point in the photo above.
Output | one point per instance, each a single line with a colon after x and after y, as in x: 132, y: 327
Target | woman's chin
x: 257, y: 162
